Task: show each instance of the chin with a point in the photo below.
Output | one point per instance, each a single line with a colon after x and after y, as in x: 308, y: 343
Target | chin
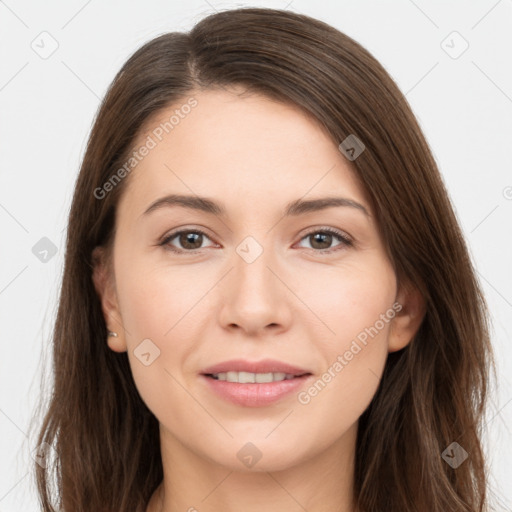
x: 259, y: 456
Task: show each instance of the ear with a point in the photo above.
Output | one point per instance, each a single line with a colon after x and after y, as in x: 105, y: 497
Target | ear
x: 103, y: 279
x: 410, y: 310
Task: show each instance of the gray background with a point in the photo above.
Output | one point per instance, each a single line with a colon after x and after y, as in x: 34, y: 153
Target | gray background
x: 463, y: 102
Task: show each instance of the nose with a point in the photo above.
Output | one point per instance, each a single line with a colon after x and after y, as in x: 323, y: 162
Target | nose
x: 255, y: 295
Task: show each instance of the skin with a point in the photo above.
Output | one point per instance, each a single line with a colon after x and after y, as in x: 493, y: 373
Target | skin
x: 295, y: 303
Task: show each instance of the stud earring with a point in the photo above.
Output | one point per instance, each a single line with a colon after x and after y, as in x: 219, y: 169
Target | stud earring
x: 113, y: 334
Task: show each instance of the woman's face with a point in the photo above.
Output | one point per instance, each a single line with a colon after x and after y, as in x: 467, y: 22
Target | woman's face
x: 306, y: 286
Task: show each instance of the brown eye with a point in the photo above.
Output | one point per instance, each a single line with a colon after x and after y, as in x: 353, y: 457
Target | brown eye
x: 188, y: 240
x: 321, y: 240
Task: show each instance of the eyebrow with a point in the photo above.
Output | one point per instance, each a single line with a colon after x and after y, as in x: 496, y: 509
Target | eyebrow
x: 294, y: 208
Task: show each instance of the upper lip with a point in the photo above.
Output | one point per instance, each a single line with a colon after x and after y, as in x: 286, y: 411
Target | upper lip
x: 264, y: 366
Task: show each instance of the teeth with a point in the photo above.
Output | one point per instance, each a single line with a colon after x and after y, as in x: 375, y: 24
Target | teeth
x: 247, y: 377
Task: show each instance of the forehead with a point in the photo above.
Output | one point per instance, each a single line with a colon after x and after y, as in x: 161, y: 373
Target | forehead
x: 234, y: 146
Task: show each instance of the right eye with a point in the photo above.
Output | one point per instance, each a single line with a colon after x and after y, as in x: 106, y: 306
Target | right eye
x: 189, y: 239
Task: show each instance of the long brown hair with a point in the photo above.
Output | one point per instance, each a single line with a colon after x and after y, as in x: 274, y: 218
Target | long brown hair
x: 105, y: 441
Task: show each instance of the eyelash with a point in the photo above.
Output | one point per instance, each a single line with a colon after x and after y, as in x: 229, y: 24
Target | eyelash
x: 346, y: 241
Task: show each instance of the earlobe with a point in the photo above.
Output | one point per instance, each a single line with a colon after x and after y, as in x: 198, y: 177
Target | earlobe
x: 103, y: 283
x: 408, y: 319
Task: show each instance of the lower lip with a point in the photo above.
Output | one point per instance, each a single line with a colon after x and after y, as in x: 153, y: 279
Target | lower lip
x: 254, y: 394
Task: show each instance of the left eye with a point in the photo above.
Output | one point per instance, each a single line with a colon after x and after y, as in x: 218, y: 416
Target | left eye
x: 325, y: 237
x: 191, y: 240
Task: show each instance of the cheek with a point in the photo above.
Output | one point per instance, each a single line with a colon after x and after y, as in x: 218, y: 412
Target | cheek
x: 347, y: 299
x: 151, y: 306
x: 355, y: 308
x: 155, y: 300
x: 340, y: 395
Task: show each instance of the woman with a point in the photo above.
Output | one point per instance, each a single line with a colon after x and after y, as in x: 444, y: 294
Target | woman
x: 267, y: 301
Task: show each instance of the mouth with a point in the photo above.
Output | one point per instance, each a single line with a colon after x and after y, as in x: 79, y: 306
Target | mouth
x: 255, y: 384
x: 254, y: 372
x: 254, y: 378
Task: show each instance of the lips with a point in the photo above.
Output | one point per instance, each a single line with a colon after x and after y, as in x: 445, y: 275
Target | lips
x: 264, y: 366
x: 255, y: 383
